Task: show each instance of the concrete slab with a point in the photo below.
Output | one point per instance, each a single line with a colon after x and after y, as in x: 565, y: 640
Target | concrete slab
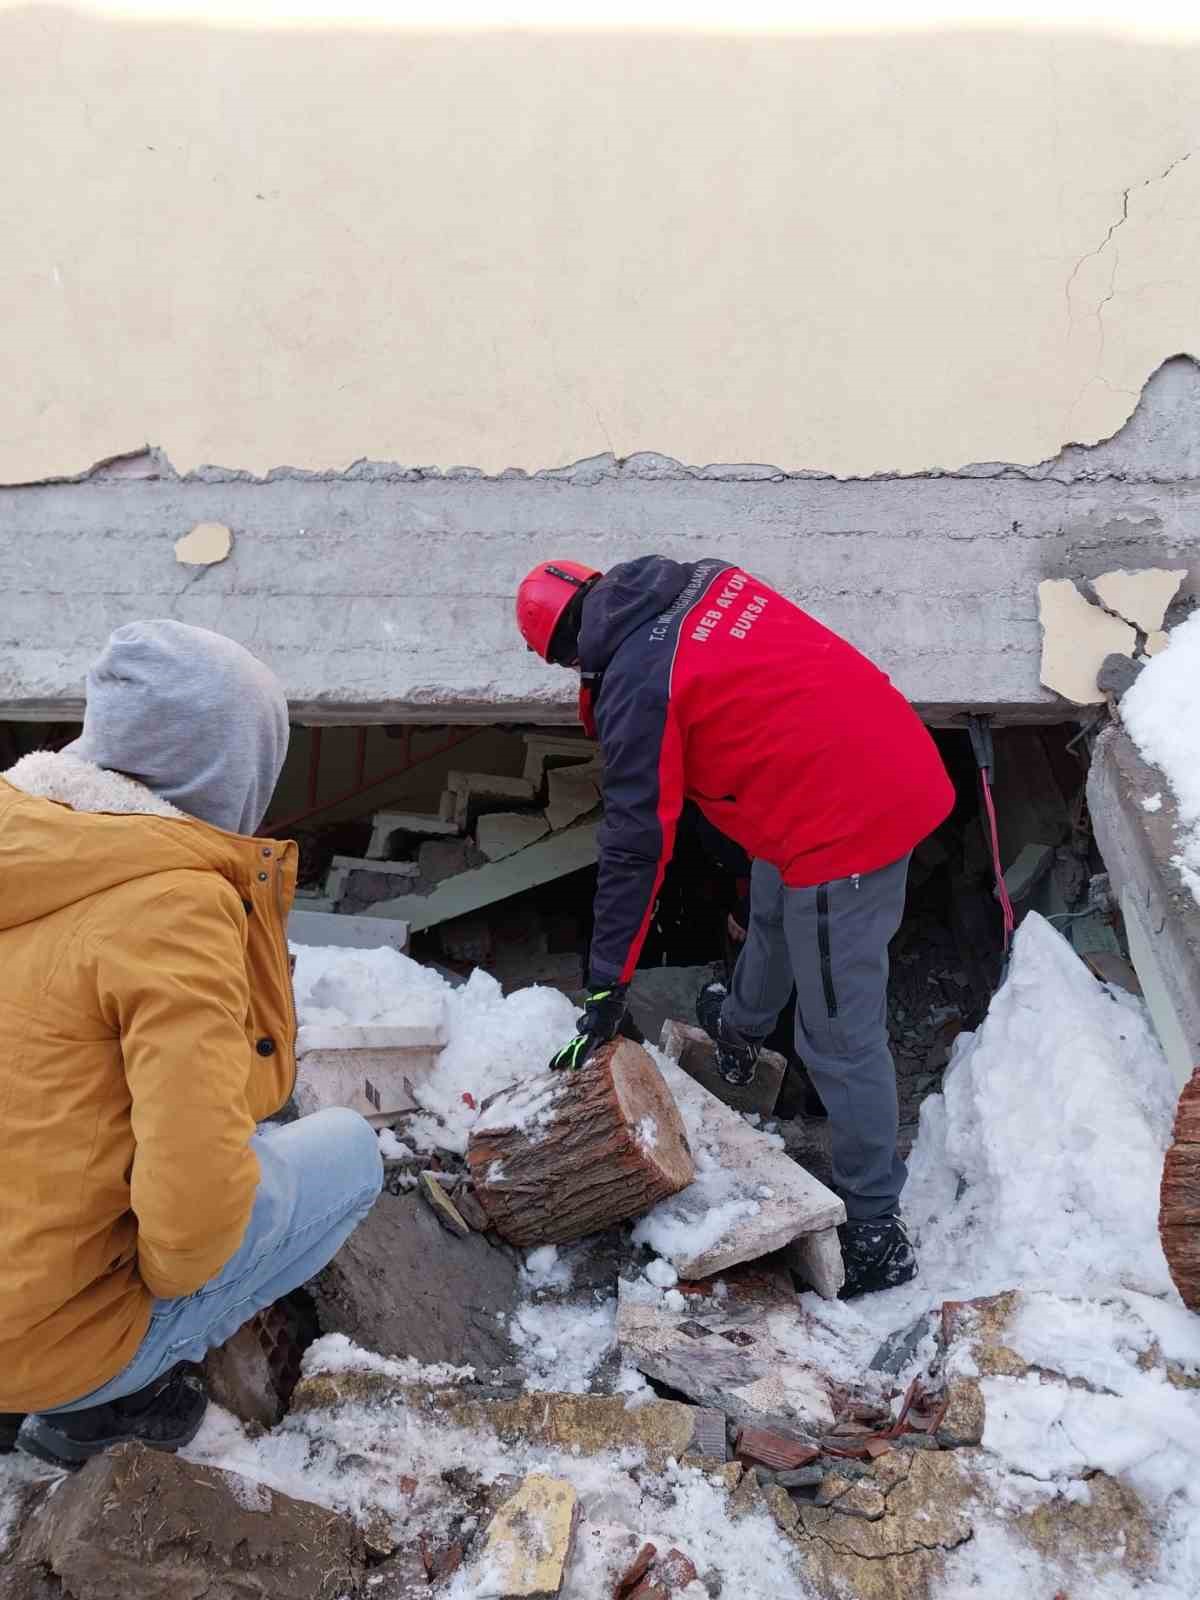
x: 503, y: 833
x: 1162, y: 918
x: 388, y: 823
x: 551, y: 857
x: 735, y: 1351
x: 697, y: 1055
x: 1076, y: 637
x: 324, y: 928
x: 781, y: 1200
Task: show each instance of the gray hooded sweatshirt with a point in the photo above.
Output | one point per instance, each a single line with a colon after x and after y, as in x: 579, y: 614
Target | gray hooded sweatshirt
x: 190, y: 714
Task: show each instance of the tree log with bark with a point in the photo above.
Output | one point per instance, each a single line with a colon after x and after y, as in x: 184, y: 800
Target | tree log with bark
x: 558, y: 1157
x: 1179, y: 1199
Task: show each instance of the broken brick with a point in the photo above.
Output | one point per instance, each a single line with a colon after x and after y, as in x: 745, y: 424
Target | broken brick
x: 650, y: 1591
x: 676, y: 1570
x: 635, y: 1572
x: 764, y: 1447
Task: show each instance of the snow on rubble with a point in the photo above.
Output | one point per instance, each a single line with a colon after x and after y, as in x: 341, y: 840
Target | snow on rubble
x: 1160, y: 710
x: 1037, y: 1170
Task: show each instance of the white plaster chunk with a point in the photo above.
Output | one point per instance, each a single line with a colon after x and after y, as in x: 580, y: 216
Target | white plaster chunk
x: 503, y: 833
x: 1157, y: 643
x: 205, y: 545
x: 1140, y: 597
x: 1076, y: 637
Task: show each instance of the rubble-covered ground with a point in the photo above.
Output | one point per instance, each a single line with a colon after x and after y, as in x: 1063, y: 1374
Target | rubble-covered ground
x: 1063, y: 1456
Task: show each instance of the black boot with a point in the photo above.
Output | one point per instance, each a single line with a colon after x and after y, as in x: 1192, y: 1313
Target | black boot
x: 166, y: 1415
x: 877, y: 1254
x: 10, y: 1426
x: 737, y: 1056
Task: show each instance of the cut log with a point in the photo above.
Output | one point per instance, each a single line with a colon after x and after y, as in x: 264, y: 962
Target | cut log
x: 1179, y: 1199
x: 562, y: 1156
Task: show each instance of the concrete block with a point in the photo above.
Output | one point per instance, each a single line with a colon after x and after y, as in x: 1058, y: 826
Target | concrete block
x: 817, y: 1258
x: 503, y: 833
x: 731, y: 1352
x: 354, y: 876
x: 1140, y: 597
x: 1076, y: 637
x: 388, y: 823
x: 572, y: 792
x: 326, y: 929
x: 473, y: 789
x: 211, y: 1533
x: 783, y: 1200
x: 530, y: 1541
x: 543, y: 752
x: 1162, y: 917
x: 551, y: 857
x: 368, y: 1066
x: 697, y: 1055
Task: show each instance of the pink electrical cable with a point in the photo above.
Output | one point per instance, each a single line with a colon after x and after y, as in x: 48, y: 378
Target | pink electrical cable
x: 1001, y: 887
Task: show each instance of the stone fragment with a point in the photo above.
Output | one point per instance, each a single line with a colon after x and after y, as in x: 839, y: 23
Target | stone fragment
x: 240, y: 1378
x: 1076, y: 637
x: 1157, y: 643
x: 572, y: 794
x: 1117, y: 674
x: 1140, y: 597
x: 898, y: 1349
x: 140, y: 1523
x: 443, y: 1208
x: 697, y: 1054
x: 503, y: 833
x: 817, y: 1259
x: 529, y: 1542
x: 983, y: 1324
x: 676, y: 1570
x: 650, y: 1591
x: 1028, y: 870
x: 964, y: 1417
x: 457, y: 1295
x: 1106, y: 1530
x: 205, y: 545
x: 729, y: 1353
x: 787, y: 1201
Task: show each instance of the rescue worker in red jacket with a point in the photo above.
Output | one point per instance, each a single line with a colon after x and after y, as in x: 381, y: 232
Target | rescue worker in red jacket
x: 703, y: 683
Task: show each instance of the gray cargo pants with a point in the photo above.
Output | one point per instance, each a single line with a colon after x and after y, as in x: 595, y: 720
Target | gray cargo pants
x: 832, y: 941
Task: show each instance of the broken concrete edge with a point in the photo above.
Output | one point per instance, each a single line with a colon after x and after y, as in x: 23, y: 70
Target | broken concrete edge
x: 1162, y: 916
x: 152, y: 461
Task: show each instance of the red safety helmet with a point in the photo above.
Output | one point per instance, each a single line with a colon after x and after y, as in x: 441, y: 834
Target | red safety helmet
x: 543, y: 597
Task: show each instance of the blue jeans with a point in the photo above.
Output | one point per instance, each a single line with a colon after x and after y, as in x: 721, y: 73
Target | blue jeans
x: 320, y: 1177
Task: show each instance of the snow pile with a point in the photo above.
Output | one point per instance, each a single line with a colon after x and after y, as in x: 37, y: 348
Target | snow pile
x: 1162, y: 713
x: 493, y: 1042
x: 335, y: 1353
x: 560, y: 1346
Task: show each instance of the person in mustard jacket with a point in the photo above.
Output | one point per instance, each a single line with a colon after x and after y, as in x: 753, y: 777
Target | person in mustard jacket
x: 147, y: 1028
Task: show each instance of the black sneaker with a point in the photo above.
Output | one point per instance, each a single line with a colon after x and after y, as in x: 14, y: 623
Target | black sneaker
x: 10, y: 1427
x: 737, y: 1056
x: 877, y: 1254
x: 166, y: 1415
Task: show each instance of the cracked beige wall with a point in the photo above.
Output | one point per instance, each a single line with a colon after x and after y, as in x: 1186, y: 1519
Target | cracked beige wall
x: 860, y: 249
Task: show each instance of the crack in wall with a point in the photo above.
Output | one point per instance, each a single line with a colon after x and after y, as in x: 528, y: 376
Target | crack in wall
x: 1120, y: 222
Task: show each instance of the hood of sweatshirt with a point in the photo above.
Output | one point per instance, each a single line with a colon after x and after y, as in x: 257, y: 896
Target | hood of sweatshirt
x: 190, y: 715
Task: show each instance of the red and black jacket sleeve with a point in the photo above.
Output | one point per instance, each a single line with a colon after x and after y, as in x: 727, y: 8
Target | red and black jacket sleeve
x: 643, y: 797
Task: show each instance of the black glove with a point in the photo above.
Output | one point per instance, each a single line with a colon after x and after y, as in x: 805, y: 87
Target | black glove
x: 603, y: 1013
